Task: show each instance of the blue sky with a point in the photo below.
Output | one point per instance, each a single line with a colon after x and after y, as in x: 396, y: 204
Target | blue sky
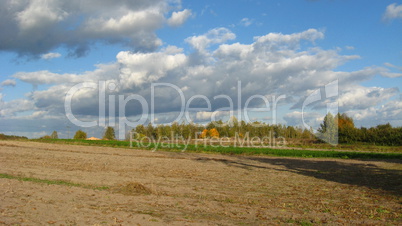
x: 273, y: 48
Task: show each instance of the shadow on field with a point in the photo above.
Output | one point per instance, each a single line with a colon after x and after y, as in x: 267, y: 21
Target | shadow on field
x: 360, y: 174
x: 368, y: 175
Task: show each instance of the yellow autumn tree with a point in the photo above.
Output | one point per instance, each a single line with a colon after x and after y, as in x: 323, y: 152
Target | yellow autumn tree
x: 214, y: 133
x: 204, y: 134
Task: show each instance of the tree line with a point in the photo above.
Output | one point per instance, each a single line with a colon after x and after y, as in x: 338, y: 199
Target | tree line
x: 109, y: 134
x: 383, y: 134
x: 334, y: 129
x: 218, y: 129
x: 11, y: 137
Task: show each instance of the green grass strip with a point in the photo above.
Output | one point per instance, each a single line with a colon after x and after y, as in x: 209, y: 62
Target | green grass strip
x: 201, y: 148
x: 56, y: 182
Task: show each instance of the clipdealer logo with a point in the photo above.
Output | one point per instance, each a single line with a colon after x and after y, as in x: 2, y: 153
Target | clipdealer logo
x: 148, y: 110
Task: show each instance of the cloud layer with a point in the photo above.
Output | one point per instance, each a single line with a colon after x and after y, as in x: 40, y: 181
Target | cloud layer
x: 35, y: 27
x: 217, y: 70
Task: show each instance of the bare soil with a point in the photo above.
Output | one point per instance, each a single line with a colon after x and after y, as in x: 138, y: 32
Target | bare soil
x: 159, y: 188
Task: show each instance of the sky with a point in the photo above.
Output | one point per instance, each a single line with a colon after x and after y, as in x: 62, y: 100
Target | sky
x: 69, y: 65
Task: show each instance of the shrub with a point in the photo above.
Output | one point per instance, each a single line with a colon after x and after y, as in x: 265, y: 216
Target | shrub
x: 109, y: 134
x: 80, y: 135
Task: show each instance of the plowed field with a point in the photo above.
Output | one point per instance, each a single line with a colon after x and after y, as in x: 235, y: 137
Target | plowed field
x: 70, y: 184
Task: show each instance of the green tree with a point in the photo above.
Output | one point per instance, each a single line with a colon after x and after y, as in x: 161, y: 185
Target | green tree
x: 328, y: 130
x: 46, y: 137
x: 224, y: 130
x: 109, y: 134
x: 54, y: 135
x: 186, y: 130
x: 80, y: 135
x: 140, y: 130
x: 150, y: 131
x: 175, y: 128
x: 306, y: 134
x: 347, y: 132
x: 159, y: 131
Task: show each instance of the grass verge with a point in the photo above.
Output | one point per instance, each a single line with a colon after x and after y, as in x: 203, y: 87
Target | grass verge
x: 233, y: 150
x: 56, y: 182
x: 350, y: 147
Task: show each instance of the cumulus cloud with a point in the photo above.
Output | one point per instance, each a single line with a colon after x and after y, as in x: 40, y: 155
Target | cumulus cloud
x: 139, y: 68
x: 389, y: 112
x: 11, y: 108
x: 36, y: 27
x: 359, y: 97
x: 49, y: 56
x: 292, y: 41
x: 305, y: 120
x: 8, y: 82
x: 362, y: 103
x: 210, y: 116
x: 179, y: 18
x: 214, y: 36
x: 393, y: 11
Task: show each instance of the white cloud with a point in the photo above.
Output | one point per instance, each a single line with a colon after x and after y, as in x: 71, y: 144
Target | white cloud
x: 103, y: 72
x: 246, y: 22
x: 390, y: 74
x: 292, y: 41
x: 11, y: 108
x: 139, y: 68
x: 210, y: 116
x: 393, y: 66
x: 385, y: 72
x: 36, y: 27
x: 214, y: 36
x: 362, y: 115
x: 359, y: 97
x: 179, y: 18
x: 303, y: 119
x: 49, y: 56
x: 8, y: 82
x: 393, y: 11
x: 33, y: 17
x: 390, y: 112
x: 46, y: 77
x: 271, y: 65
